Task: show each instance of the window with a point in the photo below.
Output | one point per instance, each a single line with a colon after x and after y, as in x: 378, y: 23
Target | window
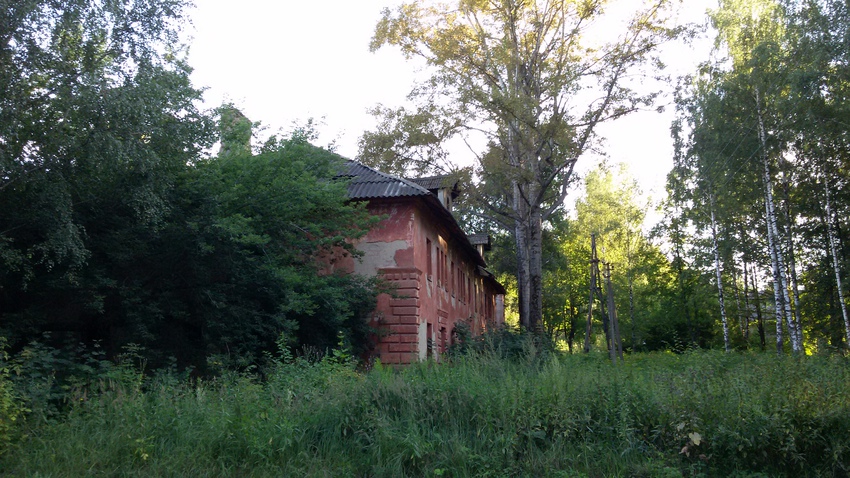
x: 428, y: 256
x: 453, y: 277
x: 445, y: 271
x: 439, y: 266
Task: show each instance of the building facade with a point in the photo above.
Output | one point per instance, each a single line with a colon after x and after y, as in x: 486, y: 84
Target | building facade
x: 438, y: 273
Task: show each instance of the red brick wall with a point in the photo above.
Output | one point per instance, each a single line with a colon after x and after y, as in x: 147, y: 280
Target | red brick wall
x: 396, y: 249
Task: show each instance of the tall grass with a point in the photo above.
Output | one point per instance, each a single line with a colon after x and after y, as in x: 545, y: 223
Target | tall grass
x: 698, y: 414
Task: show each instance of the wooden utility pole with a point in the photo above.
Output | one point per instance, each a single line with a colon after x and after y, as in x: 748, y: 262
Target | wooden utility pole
x: 595, y: 293
x: 616, y: 350
x: 594, y: 266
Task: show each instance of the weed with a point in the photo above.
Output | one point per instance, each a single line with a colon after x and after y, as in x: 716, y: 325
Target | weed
x: 486, y: 413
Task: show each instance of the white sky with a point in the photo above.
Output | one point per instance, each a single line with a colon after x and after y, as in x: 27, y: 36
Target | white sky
x: 285, y: 61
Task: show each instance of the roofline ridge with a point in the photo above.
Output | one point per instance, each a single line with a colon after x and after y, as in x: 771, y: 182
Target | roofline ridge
x: 407, y: 182
x: 434, y: 176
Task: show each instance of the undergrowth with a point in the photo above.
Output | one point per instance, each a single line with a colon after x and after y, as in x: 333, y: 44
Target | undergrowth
x: 486, y: 413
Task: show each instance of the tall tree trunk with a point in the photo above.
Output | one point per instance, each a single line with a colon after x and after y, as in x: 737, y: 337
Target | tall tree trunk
x: 535, y: 269
x: 589, y: 325
x: 593, y: 262
x: 737, y: 290
x: 606, y: 323
x: 719, y: 275
x: 612, y: 346
x: 523, y: 272
x: 835, y: 267
x: 792, y: 262
x: 616, y: 341
x: 780, y: 291
x: 745, y: 327
x: 759, y: 316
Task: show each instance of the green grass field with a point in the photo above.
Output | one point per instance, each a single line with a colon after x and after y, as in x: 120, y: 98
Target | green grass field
x: 664, y: 415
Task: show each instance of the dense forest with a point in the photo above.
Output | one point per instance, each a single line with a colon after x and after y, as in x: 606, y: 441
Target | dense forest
x: 757, y: 195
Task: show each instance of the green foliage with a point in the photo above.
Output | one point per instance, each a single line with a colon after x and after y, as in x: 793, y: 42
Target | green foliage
x: 11, y: 405
x: 512, y: 80
x: 48, y: 375
x: 265, y: 233
x: 115, y: 229
x: 696, y: 414
x: 512, y: 343
x: 647, y: 299
x: 98, y: 119
x: 766, y: 125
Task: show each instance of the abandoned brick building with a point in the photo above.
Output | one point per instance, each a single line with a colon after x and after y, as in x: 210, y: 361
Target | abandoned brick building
x: 439, y: 272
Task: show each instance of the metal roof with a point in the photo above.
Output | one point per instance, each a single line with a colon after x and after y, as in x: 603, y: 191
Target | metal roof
x: 435, y: 182
x: 368, y: 183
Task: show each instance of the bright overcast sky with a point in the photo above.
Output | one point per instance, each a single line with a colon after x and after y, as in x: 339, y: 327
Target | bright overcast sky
x: 285, y: 61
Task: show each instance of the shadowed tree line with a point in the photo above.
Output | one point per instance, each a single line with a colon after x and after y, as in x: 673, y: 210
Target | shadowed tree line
x: 116, y: 227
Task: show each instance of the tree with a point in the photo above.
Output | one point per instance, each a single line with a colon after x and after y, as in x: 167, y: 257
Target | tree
x: 97, y: 119
x: 115, y: 227
x: 258, y: 233
x: 523, y: 74
x: 764, y: 137
x: 610, y: 209
x: 753, y: 31
x: 817, y: 103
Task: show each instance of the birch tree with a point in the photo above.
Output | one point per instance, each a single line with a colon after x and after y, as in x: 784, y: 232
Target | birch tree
x: 836, y: 269
x: 818, y: 32
x: 718, y: 275
x: 753, y: 30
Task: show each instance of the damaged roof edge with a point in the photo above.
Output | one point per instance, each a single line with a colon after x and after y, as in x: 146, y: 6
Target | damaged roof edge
x: 368, y: 183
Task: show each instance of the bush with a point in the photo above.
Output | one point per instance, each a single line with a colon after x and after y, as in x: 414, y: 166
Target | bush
x: 11, y: 406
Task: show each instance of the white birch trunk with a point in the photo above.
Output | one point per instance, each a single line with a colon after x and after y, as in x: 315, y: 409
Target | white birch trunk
x: 768, y: 201
x: 792, y: 266
x: 749, y: 313
x: 780, y: 287
x: 833, y: 249
x: 719, y: 276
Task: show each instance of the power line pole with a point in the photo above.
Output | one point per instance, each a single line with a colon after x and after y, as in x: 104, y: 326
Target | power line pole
x: 595, y: 293
x: 616, y: 350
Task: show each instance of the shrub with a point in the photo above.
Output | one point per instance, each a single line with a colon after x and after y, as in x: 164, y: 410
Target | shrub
x: 11, y: 405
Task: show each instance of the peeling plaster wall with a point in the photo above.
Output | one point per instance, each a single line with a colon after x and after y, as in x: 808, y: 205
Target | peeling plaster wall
x: 378, y: 255
x: 419, y: 319
x: 390, y: 243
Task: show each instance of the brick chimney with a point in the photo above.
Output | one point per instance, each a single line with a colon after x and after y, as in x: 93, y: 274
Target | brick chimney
x: 234, y: 131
